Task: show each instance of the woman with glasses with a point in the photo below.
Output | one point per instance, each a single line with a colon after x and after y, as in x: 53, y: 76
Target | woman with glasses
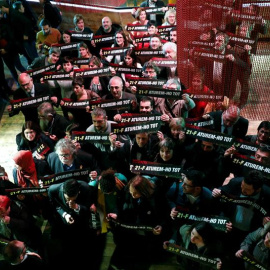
x: 120, y: 41
x: 31, y: 138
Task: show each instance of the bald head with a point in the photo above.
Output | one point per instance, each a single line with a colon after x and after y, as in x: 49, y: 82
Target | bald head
x: 107, y: 24
x: 26, y: 82
x: 231, y: 116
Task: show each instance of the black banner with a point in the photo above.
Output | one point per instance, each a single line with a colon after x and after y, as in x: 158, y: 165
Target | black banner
x: 247, y: 162
x: 83, y: 136
x: 26, y: 191
x: 67, y: 103
x: 209, y: 135
x: 43, y: 149
x: 219, y: 223
x: 201, y: 44
x: 145, y: 82
x: 114, y: 50
x: 209, y: 55
x: 134, y: 128
x: 242, y: 201
x: 60, y: 177
x: 67, y: 47
x: 165, y: 93
x: 103, y: 38
x: 92, y: 72
x: 133, y: 227
x: 112, y: 104
x: 252, y: 261
x: 142, y: 39
x: 191, y: 255
x: 199, y: 122
x: 81, y: 61
x: 206, y: 97
x: 136, y: 27
x: 128, y: 70
x: 164, y: 62
x: 56, y: 76
x: 153, y: 168
x: 148, y: 52
x: 82, y: 36
x: 38, y: 71
x: 245, y: 147
x: 166, y: 28
x: 138, y: 117
x: 28, y: 102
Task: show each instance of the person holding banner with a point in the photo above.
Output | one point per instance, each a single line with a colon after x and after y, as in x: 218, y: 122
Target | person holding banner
x: 257, y: 244
x: 263, y: 134
x: 200, y: 238
x: 83, y: 52
x: 67, y: 157
x: 145, y: 211
x: 245, y: 201
x: 29, y: 89
x: 170, y: 18
x: 33, y: 139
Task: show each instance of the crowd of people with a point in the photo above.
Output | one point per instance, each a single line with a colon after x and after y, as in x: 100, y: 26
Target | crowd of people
x: 114, y: 141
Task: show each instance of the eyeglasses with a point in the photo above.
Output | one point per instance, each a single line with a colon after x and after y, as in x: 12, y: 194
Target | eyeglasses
x: 63, y: 155
x: 26, y: 84
x: 263, y: 145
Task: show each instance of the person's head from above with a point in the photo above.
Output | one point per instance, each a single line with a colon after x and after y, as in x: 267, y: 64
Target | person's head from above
x: 152, y: 27
x: 24, y: 161
x: 54, y: 55
x: 267, y: 239
x: 192, y: 182
x: 116, y: 87
x: 26, y: 82
x: 67, y: 63
x: 150, y: 70
x: 130, y: 57
x: 140, y: 186
x: 142, y: 139
x: 71, y: 190
x: 99, y: 119
x: 66, y: 151
x: 197, y: 81
x: 166, y: 149
x: 170, y: 50
x: 206, y: 146
x: 202, y: 234
x: 31, y: 131
x: 173, y: 36
x: 263, y: 154
x: 78, y: 21
x: 263, y: 132
x: 107, y: 24
x: 120, y: 39
x: 95, y: 62
x: 252, y: 183
x: 170, y: 17
x: 231, y: 116
x: 172, y: 84
x: 46, y: 112
x: 146, y: 105
x: 70, y: 128
x: 221, y: 41
x: 5, y: 203
x: 140, y: 15
x: 155, y: 42
x: 45, y: 27
x: 18, y: 6
x: 177, y: 125
x: 83, y: 50
x: 14, y: 252
x: 107, y: 181
x: 66, y: 36
x: 78, y: 86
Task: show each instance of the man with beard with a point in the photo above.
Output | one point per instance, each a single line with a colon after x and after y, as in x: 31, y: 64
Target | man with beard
x: 47, y: 36
x: 52, y: 123
x: 206, y: 157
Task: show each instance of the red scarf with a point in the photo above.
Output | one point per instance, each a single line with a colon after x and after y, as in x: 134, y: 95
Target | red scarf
x: 27, y: 176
